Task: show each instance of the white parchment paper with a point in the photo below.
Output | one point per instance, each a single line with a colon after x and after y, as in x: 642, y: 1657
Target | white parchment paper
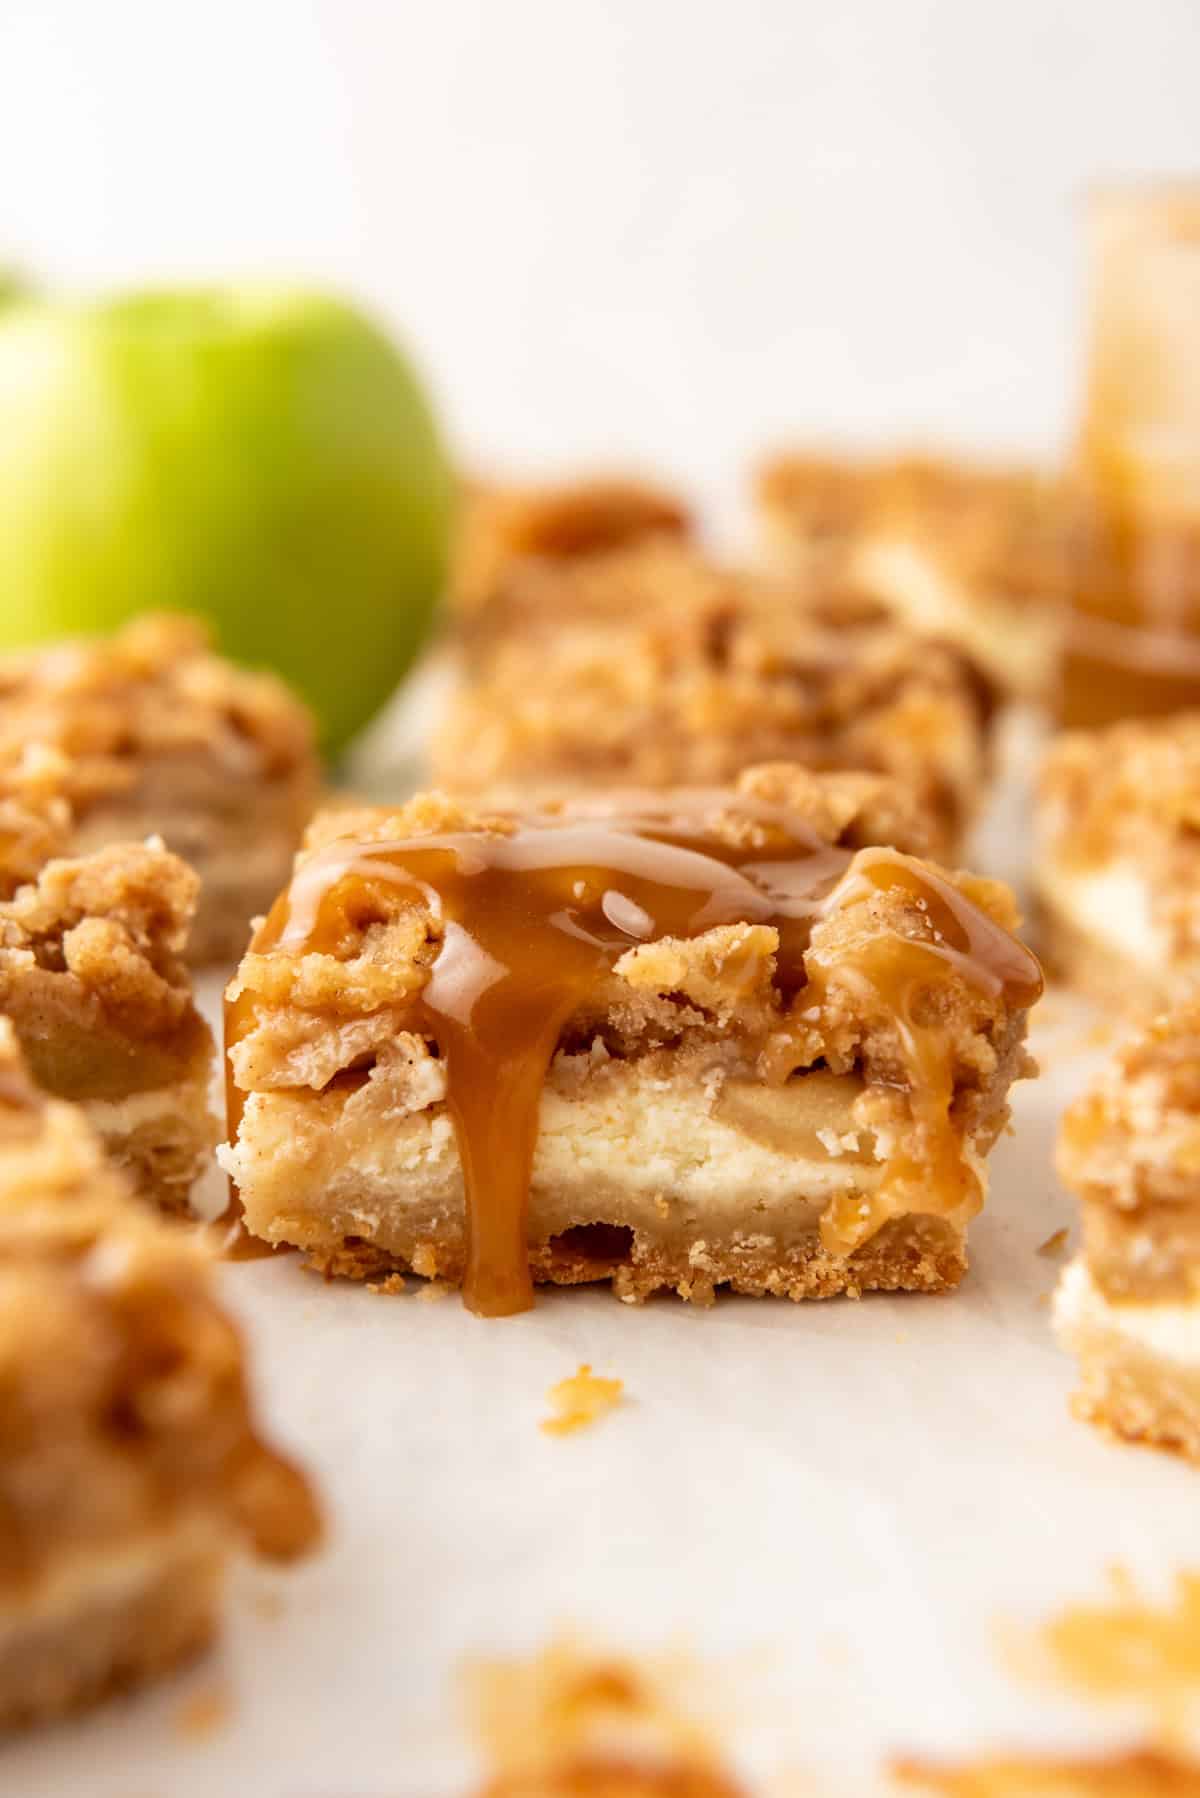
x: 834, y: 1503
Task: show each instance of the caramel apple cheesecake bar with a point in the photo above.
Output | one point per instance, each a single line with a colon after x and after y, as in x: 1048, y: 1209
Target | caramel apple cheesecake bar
x: 1129, y: 1306
x: 1116, y: 871
x: 742, y: 1037
x: 664, y: 668
x: 92, y: 978
x: 131, y: 1468
x: 510, y: 537
x: 978, y: 556
x: 157, y: 736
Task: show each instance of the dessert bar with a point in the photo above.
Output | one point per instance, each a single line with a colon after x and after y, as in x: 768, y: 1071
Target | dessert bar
x: 1129, y: 1306
x: 92, y: 978
x: 1116, y: 870
x: 510, y: 538
x: 976, y: 556
x: 657, y: 667
x: 130, y: 1465
x: 677, y: 1040
x: 157, y: 736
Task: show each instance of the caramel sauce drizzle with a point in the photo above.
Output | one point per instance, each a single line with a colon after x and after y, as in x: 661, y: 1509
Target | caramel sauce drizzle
x: 532, y: 923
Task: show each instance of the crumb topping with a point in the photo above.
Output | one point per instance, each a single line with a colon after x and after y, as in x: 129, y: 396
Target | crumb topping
x: 653, y: 667
x: 1130, y: 795
x: 107, y: 929
x: 1133, y: 1137
x: 507, y: 529
x: 153, y: 690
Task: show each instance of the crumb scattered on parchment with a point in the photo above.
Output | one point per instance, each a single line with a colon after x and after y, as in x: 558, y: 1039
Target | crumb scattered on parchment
x: 579, y: 1400
x: 393, y: 1284
x: 1124, y: 1650
x: 266, y: 1603
x: 204, y: 1713
x: 1054, y: 1243
x: 424, y: 1260
x: 1141, y: 1774
x: 575, y: 1720
x: 430, y: 1291
x: 1121, y: 1650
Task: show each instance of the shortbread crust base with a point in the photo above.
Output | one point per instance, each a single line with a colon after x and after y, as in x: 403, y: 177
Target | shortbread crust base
x: 636, y: 1180
x: 1140, y: 1363
x: 107, y: 1621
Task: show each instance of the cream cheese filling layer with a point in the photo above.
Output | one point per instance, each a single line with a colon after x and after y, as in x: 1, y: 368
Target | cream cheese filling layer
x: 1111, y: 905
x: 1170, y: 1331
x: 1018, y: 645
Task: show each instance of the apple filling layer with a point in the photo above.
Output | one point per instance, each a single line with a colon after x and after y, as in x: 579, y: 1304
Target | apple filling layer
x: 709, y: 1038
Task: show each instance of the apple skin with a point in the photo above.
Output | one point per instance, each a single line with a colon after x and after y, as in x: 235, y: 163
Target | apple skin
x: 266, y: 459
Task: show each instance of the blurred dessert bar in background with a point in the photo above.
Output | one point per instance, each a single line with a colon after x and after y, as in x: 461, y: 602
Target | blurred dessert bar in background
x: 153, y: 735
x: 677, y: 1040
x: 654, y: 666
x: 130, y: 1466
x: 1129, y: 1306
x: 1132, y: 641
x: 92, y: 978
x: 974, y: 556
x: 511, y: 537
x: 1116, y: 866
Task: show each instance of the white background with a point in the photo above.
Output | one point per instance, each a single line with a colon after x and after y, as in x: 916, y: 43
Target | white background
x: 658, y: 229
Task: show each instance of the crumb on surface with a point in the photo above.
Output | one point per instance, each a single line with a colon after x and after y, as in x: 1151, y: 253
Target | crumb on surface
x: 1055, y: 1243
x: 204, y: 1712
x: 575, y: 1720
x: 580, y: 1400
x: 1125, y: 1650
x: 389, y: 1287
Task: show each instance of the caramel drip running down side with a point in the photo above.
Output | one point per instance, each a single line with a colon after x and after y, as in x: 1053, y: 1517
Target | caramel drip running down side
x: 530, y: 923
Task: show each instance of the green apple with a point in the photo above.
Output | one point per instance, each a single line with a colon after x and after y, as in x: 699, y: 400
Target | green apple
x: 265, y: 458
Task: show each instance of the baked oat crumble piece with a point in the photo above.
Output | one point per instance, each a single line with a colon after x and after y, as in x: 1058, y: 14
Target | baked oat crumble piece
x: 93, y: 981
x: 1129, y: 1306
x: 130, y: 1465
x: 155, y: 735
x: 715, y: 1109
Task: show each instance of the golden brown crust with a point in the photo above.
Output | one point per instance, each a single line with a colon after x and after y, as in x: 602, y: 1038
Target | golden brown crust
x: 148, y: 732
x: 661, y: 669
x: 1142, y: 1773
x: 35, y: 818
x: 912, y: 1254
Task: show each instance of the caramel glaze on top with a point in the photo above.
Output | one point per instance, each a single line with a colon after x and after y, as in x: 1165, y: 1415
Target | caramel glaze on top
x: 531, y: 922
